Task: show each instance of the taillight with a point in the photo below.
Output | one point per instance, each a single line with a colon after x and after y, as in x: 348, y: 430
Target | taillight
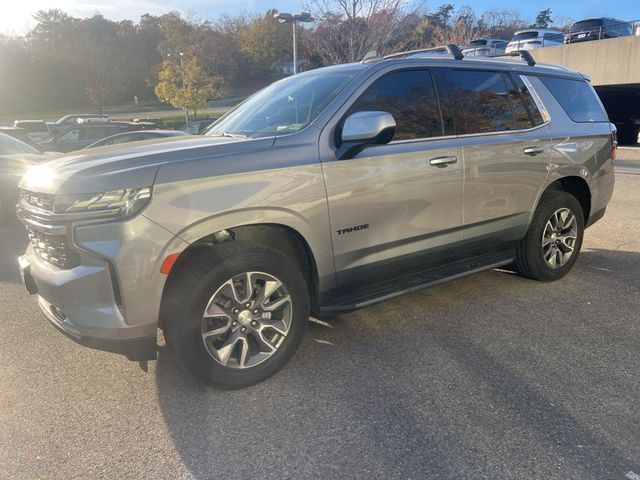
x: 614, y: 145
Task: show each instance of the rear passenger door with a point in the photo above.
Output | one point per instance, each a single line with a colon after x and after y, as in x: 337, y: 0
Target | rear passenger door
x: 506, y: 150
x: 393, y: 205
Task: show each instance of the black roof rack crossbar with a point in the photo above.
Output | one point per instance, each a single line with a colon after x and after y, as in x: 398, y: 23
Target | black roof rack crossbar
x: 451, y: 49
x: 523, y: 54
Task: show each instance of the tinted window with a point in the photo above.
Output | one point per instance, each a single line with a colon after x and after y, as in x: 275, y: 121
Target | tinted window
x: 410, y: 97
x: 480, y: 101
x: 587, y: 25
x: 477, y: 43
x: 577, y: 98
x: 522, y: 96
x: 70, y: 136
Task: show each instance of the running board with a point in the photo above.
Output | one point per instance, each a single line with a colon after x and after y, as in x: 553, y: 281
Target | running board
x: 365, y: 295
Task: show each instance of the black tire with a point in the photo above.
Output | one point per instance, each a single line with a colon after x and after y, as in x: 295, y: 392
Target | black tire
x: 530, y: 261
x: 189, y: 294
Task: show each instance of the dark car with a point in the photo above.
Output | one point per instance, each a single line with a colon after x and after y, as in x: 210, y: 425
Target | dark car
x: 136, y: 137
x: 15, y: 159
x: 70, y: 120
x: 598, y: 29
x: 37, y: 130
x: 197, y: 126
x: 83, y: 135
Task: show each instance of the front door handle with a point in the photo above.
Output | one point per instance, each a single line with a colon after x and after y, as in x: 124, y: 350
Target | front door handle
x: 443, y: 161
x: 533, y: 151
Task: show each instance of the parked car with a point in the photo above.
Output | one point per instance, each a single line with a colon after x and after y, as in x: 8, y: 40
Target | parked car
x: 37, y: 130
x: 484, y: 47
x: 70, y: 120
x: 535, y: 38
x: 82, y: 135
x: 325, y: 192
x: 15, y: 159
x: 196, y: 127
x: 598, y: 29
x: 136, y: 137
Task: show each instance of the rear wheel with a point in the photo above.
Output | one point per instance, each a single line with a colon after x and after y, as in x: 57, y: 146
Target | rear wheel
x: 237, y: 313
x: 554, y: 238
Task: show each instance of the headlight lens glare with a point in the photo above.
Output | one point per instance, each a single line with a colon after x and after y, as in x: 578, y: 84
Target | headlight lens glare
x: 123, y: 203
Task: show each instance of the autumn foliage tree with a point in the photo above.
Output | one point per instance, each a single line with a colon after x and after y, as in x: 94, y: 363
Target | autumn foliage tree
x: 198, y: 88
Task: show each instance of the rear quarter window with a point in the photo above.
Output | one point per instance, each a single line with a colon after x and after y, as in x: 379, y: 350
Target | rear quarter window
x: 577, y: 98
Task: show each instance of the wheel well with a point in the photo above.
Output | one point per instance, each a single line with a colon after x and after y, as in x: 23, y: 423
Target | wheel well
x: 279, y: 237
x: 577, y: 187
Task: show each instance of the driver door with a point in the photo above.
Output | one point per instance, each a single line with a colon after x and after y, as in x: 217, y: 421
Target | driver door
x: 395, y: 207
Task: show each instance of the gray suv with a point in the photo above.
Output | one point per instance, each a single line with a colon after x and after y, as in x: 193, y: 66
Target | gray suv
x: 323, y: 193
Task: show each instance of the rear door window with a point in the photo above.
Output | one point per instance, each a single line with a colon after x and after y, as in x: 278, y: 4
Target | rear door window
x: 480, y: 101
x: 520, y: 96
x: 577, y: 98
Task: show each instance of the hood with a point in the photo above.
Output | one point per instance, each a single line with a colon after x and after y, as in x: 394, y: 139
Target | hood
x: 130, y: 165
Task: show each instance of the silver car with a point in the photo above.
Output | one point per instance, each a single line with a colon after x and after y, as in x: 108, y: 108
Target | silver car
x: 325, y: 192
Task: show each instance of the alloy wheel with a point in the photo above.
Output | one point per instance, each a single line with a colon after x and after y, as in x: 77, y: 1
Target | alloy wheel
x: 246, y: 320
x: 559, y: 238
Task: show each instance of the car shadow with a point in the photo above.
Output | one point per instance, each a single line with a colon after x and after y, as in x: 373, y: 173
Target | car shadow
x: 492, y: 376
x: 13, y: 243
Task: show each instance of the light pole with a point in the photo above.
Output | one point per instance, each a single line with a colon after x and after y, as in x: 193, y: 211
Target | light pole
x: 293, y: 19
x: 184, y: 83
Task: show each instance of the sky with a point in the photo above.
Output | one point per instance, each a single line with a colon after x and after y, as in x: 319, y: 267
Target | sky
x: 16, y: 16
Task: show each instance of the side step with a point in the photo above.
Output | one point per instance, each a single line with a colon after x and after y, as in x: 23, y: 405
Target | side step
x: 368, y: 294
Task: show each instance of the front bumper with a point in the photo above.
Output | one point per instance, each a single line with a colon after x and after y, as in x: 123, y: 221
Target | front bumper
x: 113, y: 335
x: 109, y: 299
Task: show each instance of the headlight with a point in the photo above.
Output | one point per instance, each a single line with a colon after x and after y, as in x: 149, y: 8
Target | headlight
x: 117, y: 204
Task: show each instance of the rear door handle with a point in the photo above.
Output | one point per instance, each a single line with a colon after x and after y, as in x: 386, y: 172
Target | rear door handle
x: 533, y: 151
x: 443, y: 161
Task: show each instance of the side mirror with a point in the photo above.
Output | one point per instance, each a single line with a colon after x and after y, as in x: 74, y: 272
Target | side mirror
x: 365, y: 128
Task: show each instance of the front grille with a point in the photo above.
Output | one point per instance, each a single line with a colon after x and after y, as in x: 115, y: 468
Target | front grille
x: 43, y: 201
x: 53, y: 249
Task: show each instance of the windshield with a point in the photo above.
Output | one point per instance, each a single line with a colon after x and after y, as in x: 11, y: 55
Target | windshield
x: 283, y: 107
x: 477, y: 43
x: 586, y: 25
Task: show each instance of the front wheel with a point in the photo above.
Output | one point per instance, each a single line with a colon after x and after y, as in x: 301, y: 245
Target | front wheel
x: 554, y: 238
x: 237, y: 313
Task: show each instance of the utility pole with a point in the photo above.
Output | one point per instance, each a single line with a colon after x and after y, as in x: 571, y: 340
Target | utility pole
x: 293, y: 19
x: 184, y: 83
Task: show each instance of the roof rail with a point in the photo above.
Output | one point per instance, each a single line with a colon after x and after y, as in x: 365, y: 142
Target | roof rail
x: 451, y: 49
x: 523, y: 54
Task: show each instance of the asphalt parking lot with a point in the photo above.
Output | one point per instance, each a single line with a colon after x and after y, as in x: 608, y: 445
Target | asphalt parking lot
x: 488, y: 377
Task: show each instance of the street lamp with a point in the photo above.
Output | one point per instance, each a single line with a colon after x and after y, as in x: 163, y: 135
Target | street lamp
x: 303, y: 17
x: 184, y: 83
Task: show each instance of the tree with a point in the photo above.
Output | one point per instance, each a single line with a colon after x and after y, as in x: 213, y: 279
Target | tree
x: 264, y: 41
x: 199, y: 88
x: 101, y: 73
x: 347, y: 29
x: 543, y: 19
